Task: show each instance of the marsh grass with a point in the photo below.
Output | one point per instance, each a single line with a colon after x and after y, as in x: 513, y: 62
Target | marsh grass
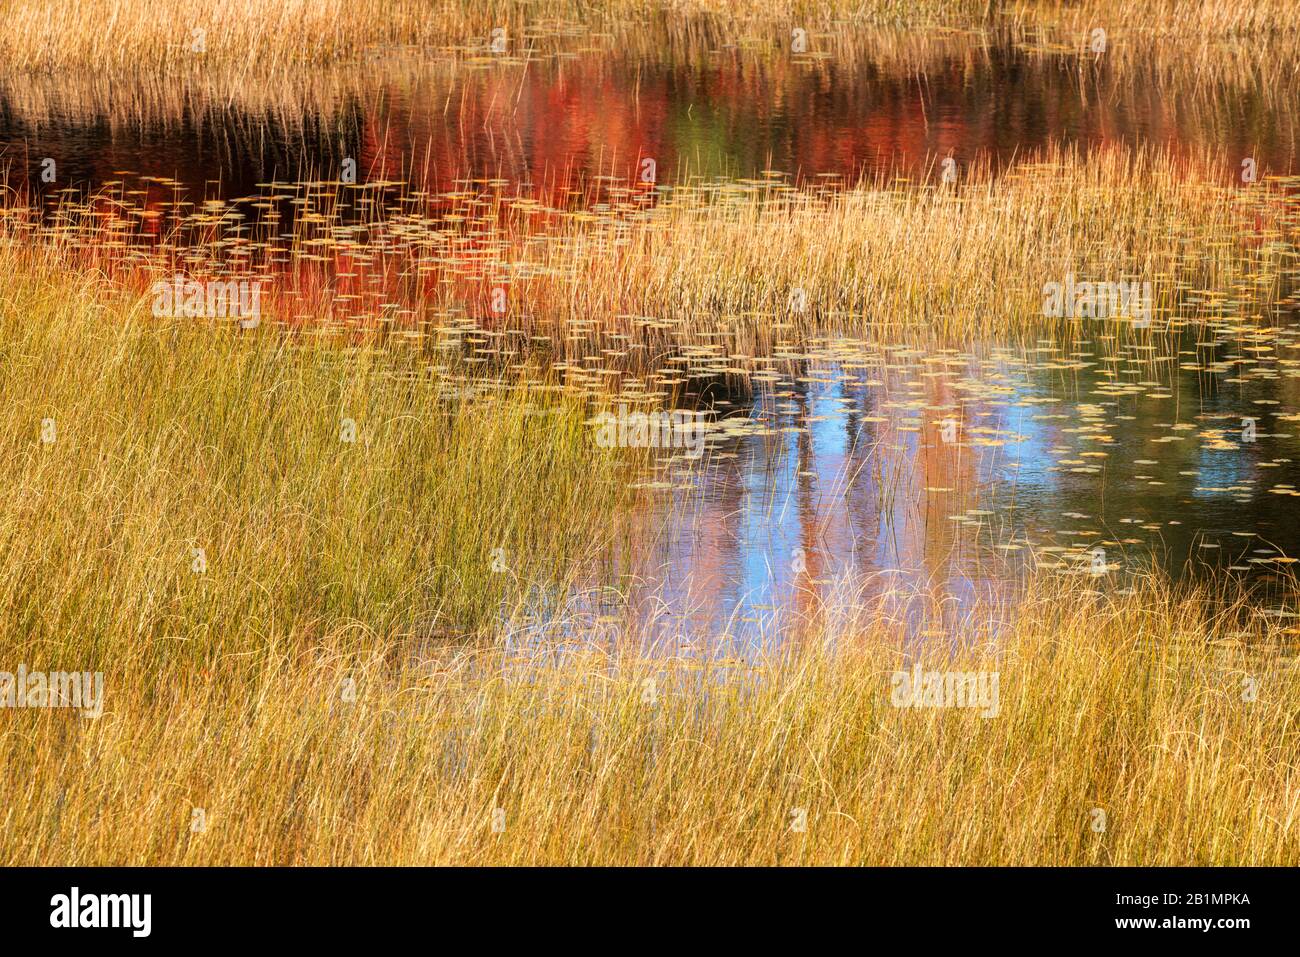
x: 1133, y: 706
x: 172, y: 435
x: 153, y: 35
x: 906, y: 258
x: 336, y: 682
x: 40, y: 36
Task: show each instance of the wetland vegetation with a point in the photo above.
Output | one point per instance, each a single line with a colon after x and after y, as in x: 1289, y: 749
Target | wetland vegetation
x: 798, y: 433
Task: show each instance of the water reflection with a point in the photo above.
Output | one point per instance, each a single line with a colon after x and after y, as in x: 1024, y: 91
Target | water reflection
x: 925, y: 483
x: 556, y: 120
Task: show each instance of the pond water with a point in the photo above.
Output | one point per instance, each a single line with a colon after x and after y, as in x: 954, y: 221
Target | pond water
x: 926, y: 477
x: 927, y: 481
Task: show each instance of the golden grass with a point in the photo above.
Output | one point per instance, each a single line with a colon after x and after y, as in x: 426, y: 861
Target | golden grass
x: 43, y: 35
x: 1195, y: 19
x: 347, y: 751
x: 172, y: 436
x: 957, y: 263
